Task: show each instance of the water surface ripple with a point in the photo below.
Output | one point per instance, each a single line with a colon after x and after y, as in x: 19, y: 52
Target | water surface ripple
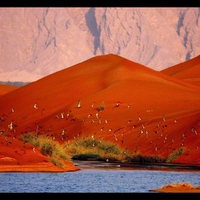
x: 95, y: 180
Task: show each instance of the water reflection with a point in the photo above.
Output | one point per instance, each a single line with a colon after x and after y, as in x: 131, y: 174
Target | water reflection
x: 136, y: 166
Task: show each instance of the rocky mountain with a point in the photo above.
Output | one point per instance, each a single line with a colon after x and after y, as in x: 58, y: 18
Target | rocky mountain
x: 36, y: 42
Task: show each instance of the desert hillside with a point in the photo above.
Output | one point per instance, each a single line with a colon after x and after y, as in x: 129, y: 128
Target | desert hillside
x: 36, y: 42
x: 107, y: 98
x: 4, y: 89
x: 187, y: 71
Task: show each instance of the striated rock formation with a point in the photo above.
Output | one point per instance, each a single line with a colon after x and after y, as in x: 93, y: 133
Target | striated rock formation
x: 36, y: 42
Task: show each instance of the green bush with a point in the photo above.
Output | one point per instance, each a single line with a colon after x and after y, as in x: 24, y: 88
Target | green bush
x: 147, y: 159
x: 48, y: 147
x: 83, y: 147
x: 86, y: 157
x: 175, y: 154
x: 90, y: 149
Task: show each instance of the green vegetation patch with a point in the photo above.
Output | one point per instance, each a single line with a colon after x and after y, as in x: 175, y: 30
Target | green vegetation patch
x: 88, y: 156
x: 48, y: 147
x: 147, y: 159
x: 175, y: 155
x: 103, y: 150
x: 82, y: 149
x: 90, y: 149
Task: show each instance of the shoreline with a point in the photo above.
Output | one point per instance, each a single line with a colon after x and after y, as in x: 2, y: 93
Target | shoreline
x: 82, y: 164
x: 128, y: 165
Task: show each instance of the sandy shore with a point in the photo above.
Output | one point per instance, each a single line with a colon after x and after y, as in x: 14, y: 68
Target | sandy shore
x: 178, y: 188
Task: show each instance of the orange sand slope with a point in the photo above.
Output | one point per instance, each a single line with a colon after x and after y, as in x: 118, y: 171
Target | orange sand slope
x: 188, y: 71
x: 145, y: 111
x: 178, y: 188
x: 4, y: 89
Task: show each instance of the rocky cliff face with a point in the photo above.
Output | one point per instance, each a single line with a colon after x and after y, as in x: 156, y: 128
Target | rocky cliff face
x: 36, y: 42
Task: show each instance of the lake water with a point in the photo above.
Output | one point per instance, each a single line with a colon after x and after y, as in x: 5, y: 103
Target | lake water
x: 97, y: 179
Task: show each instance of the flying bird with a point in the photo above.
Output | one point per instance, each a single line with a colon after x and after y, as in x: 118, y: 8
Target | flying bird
x: 35, y: 106
x: 79, y: 104
x: 117, y: 105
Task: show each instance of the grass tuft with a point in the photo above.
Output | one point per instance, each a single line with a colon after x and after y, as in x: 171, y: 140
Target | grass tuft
x: 147, y: 159
x: 175, y: 155
x: 48, y: 147
x: 89, y: 149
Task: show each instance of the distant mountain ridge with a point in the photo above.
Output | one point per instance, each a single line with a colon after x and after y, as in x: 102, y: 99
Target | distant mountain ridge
x: 14, y: 83
x: 36, y: 42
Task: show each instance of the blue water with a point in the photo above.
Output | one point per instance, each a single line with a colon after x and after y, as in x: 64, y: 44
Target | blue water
x: 95, y: 180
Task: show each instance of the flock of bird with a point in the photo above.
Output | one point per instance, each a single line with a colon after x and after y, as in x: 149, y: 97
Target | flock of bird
x: 134, y: 129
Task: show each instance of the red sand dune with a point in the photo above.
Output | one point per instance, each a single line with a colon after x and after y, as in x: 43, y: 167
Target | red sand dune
x: 146, y: 111
x: 4, y: 89
x: 188, y: 71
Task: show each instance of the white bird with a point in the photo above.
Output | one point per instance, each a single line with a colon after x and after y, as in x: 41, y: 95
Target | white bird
x: 89, y: 115
x: 194, y: 130
x: 129, y: 121
x: 10, y: 126
x: 79, y: 104
x: 63, y: 131
x: 92, y: 137
x: 164, y: 119
x: 62, y: 115
x: 117, y: 104
x: 147, y: 133
x: 68, y: 115
x: 35, y: 106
